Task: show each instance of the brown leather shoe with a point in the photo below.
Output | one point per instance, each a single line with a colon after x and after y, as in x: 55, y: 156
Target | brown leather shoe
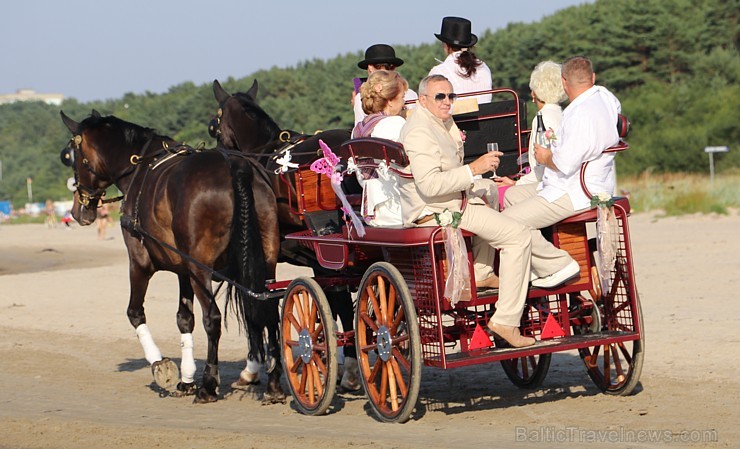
x: 511, y: 334
x: 491, y: 281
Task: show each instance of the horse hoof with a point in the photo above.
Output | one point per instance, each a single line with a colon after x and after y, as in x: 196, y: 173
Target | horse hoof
x: 204, y: 397
x: 165, y: 373
x: 273, y: 398
x: 246, y: 380
x: 184, y: 389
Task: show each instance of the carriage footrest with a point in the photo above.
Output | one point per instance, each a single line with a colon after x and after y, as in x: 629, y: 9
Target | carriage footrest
x: 494, y: 354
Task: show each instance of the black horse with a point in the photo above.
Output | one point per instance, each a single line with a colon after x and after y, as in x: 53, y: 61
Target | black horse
x: 242, y: 125
x: 192, y: 213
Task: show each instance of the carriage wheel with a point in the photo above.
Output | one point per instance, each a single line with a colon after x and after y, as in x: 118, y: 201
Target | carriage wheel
x: 527, y: 372
x: 615, y: 368
x: 309, y: 344
x: 388, y: 343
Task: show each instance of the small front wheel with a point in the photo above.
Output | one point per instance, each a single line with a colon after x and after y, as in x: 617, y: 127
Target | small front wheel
x: 309, y: 344
x: 388, y: 343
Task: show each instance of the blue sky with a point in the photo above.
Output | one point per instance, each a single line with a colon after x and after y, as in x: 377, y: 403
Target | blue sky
x: 97, y: 49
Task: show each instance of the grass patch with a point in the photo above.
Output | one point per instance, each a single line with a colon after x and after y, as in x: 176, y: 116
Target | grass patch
x: 681, y: 193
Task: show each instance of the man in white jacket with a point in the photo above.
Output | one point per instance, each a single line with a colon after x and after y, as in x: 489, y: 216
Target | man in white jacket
x: 588, y: 128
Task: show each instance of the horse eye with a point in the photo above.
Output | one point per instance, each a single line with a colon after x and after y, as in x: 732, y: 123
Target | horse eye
x: 68, y: 157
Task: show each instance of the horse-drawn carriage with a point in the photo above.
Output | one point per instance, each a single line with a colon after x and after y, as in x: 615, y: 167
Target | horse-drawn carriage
x: 402, y: 319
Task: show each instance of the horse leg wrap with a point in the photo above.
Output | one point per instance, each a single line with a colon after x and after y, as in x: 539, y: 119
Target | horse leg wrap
x: 253, y: 366
x: 151, y: 351
x: 187, y: 365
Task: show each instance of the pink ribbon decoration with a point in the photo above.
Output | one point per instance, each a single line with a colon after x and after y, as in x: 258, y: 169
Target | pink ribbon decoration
x: 328, y: 166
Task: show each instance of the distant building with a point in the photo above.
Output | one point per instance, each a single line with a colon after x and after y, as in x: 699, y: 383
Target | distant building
x: 31, y: 95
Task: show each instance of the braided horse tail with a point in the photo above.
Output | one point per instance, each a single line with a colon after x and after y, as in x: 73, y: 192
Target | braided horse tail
x: 246, y: 259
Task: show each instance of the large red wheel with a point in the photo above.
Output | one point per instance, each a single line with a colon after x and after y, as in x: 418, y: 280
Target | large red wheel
x: 616, y: 367
x: 309, y: 345
x: 527, y: 372
x: 388, y: 343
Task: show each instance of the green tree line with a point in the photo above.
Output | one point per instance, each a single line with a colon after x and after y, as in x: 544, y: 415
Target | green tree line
x: 673, y: 63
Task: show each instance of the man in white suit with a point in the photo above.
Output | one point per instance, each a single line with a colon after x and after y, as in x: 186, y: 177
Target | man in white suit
x: 434, y: 146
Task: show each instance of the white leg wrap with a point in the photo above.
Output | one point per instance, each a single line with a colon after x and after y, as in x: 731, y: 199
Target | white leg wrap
x: 151, y: 351
x: 253, y: 366
x: 187, y: 365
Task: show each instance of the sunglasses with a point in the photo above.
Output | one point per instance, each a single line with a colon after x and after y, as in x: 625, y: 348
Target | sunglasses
x: 441, y: 96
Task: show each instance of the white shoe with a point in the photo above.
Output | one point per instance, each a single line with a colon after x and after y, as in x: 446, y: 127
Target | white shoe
x: 565, y: 274
x: 350, y: 377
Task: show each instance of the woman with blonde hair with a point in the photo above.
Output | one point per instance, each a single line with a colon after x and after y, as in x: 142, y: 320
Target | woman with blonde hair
x: 546, y: 86
x: 383, y: 101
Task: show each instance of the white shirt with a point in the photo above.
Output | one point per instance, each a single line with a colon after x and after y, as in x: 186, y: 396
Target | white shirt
x: 552, y: 116
x: 460, y: 85
x: 410, y: 95
x: 387, y: 128
x: 589, y: 127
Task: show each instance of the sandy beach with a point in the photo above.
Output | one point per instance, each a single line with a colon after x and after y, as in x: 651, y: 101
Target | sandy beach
x: 76, y: 377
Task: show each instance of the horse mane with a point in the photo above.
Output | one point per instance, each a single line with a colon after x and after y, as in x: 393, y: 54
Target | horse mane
x: 254, y: 111
x: 133, y: 134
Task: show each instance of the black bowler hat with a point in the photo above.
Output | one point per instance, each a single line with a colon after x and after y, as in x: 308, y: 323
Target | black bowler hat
x: 380, y: 54
x: 456, y: 31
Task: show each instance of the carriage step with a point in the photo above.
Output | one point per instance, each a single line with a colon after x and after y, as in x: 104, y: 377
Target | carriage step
x: 494, y: 354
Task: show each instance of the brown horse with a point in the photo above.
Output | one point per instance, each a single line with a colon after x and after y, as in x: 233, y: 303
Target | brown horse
x: 242, y: 125
x: 197, y: 214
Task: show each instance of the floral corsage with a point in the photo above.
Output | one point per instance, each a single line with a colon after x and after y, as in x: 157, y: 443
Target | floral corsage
x: 448, y: 218
x: 602, y: 199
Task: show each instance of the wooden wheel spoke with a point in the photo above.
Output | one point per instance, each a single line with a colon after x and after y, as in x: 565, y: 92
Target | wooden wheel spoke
x: 383, y: 299
x: 304, y: 378
x: 374, y: 300
x: 393, y: 393
x: 401, y: 359
x: 400, y: 316
x: 593, y: 358
x: 369, y: 321
x: 312, y: 315
x: 525, y: 365
x: 372, y: 378
x: 319, y: 363
x: 383, y: 372
x: 297, y: 299
x: 607, y: 368
x: 391, y: 299
x: 319, y: 329
x: 294, y: 322
x: 291, y: 343
x: 618, y: 370
x: 316, y: 380
x: 625, y: 353
x: 399, y: 378
x: 296, y: 365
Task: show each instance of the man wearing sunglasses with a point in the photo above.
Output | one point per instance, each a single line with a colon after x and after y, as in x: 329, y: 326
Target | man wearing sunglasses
x: 434, y: 146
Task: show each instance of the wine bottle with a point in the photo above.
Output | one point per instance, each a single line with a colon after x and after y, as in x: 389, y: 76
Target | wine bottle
x: 540, y: 138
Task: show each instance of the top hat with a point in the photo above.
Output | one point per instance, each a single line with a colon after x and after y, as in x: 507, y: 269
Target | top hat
x: 456, y: 31
x: 380, y: 54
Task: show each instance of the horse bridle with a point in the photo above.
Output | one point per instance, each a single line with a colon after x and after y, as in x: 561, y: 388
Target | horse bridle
x: 86, y: 194
x: 287, y: 139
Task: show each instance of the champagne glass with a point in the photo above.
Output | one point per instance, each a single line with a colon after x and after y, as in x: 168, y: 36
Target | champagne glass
x: 492, y: 146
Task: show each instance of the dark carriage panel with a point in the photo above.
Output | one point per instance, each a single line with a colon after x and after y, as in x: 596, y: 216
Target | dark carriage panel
x: 496, y: 122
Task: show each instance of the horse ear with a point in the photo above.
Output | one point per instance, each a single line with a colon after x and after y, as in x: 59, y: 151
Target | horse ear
x: 95, y: 113
x: 252, y: 92
x: 219, y: 92
x: 71, y: 124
